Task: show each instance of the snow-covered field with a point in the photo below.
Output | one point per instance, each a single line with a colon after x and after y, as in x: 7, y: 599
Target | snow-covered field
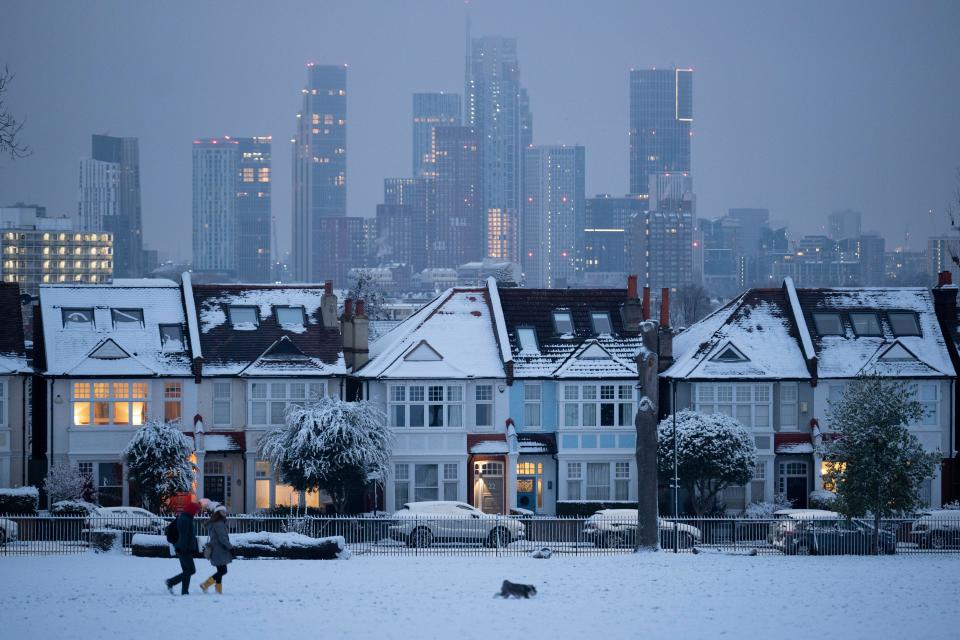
x: 630, y: 596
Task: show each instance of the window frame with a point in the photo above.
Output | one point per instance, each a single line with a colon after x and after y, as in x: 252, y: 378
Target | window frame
x: 791, y: 408
x: 222, y: 402
x: 64, y: 311
x: 558, y: 313
x: 916, y: 323
x: 303, y: 315
x: 876, y: 319
x: 578, y: 489
x: 533, y: 334
x: 485, y: 404
x: 451, y: 403
x: 817, y: 315
x: 714, y: 403
x: 269, y: 399
x: 111, y: 402
x: 622, y: 407
x: 244, y: 307
x: 164, y: 340
x: 169, y: 400
x: 593, y: 323
x: 533, y: 404
x: 123, y: 324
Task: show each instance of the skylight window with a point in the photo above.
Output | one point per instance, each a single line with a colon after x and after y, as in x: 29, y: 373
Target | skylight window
x: 904, y: 323
x: 171, y: 337
x: 828, y: 324
x: 127, y: 318
x: 290, y: 316
x: 563, y: 322
x: 527, y: 338
x: 601, y: 323
x: 866, y: 324
x: 244, y: 317
x: 77, y: 318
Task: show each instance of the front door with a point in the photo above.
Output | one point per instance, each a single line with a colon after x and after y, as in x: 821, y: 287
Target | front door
x: 214, y: 488
x: 488, y: 486
x: 794, y: 483
x: 527, y: 492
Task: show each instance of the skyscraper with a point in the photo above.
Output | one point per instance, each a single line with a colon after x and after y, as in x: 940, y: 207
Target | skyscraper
x: 844, y: 224
x: 319, y: 164
x: 406, y: 201
x: 109, y: 199
x: 216, y: 163
x: 554, y: 211
x: 254, y: 218
x: 604, y: 248
x: 431, y: 110
x: 498, y: 107
x: 454, y: 228
x: 661, y: 111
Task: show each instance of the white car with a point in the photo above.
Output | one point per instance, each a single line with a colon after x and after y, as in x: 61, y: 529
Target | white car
x: 125, y: 519
x: 8, y: 530
x: 420, y: 524
x: 618, y: 528
x: 937, y: 529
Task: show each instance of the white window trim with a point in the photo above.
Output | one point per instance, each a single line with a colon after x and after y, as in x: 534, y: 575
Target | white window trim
x: 611, y: 479
x: 597, y: 402
x: 934, y: 421
x: 533, y: 403
x: 287, y: 398
x: 443, y: 483
x: 426, y: 384
x: 490, y: 403
x: 110, y: 400
x: 787, y: 406
x: 712, y: 406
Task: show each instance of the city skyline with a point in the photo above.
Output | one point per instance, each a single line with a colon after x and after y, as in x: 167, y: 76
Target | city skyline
x: 775, y: 140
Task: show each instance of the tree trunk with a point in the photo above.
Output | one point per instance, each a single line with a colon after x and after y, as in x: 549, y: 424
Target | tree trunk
x: 648, y: 534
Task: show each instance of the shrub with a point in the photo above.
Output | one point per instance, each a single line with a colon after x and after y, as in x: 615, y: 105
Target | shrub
x: 72, y: 508
x: 20, y: 501
x: 767, y: 509
x: 822, y: 499
x: 584, y: 509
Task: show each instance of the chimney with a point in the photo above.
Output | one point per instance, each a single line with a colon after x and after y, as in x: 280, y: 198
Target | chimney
x: 945, y: 304
x: 664, y: 307
x: 361, y: 337
x: 630, y: 312
x: 346, y: 331
x: 646, y: 303
x: 328, y: 306
x: 944, y: 278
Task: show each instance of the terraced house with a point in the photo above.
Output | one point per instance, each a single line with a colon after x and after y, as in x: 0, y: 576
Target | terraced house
x: 776, y: 358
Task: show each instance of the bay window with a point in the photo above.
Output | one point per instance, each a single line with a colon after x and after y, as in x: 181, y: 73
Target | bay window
x: 110, y: 403
x: 750, y: 404
x: 429, y: 405
x: 599, y: 481
x: 592, y: 405
x: 430, y: 482
x: 269, y: 400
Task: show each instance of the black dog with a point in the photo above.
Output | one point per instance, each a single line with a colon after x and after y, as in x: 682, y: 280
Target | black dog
x: 509, y: 589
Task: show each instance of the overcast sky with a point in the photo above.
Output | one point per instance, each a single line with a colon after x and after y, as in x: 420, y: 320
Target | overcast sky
x: 802, y: 108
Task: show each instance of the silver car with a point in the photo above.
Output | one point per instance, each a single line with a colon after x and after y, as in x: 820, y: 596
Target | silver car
x: 420, y: 524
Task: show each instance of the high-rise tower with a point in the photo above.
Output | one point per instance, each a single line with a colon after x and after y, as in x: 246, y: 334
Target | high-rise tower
x: 431, y: 110
x: 254, y: 186
x: 319, y: 164
x: 661, y: 112
x: 215, y: 169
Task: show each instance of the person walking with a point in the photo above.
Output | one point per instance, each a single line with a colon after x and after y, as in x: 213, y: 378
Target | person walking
x: 185, y: 546
x: 218, y: 549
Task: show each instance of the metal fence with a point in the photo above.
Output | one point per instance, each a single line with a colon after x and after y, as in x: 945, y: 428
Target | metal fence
x: 424, y: 534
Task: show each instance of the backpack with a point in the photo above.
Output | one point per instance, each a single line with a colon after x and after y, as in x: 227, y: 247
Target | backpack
x: 173, y: 535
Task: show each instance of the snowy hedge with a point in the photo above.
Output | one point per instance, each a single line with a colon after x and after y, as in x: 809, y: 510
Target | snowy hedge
x: 72, y: 508
x: 19, y: 501
x: 254, y: 545
x: 583, y: 508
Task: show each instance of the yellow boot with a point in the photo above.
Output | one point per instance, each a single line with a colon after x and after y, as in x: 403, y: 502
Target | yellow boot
x: 219, y: 588
x: 206, y: 584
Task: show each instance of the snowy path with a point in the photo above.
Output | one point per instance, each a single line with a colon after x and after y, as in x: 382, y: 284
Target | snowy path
x: 647, y: 596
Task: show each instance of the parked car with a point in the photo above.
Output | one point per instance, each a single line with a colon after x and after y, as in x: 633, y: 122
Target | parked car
x: 618, y: 528
x: 8, y: 530
x: 129, y: 520
x: 420, y: 524
x: 937, y: 529
x: 819, y: 532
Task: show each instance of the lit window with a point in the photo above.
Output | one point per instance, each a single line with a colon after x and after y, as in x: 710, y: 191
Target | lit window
x: 828, y: 324
x: 172, y: 397
x: 244, y: 317
x: 903, y: 323
x: 601, y: 323
x: 563, y: 322
x: 865, y: 324
x: 527, y: 337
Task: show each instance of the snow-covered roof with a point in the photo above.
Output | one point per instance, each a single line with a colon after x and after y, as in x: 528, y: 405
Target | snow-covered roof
x: 13, y: 353
x: 772, y: 333
x: 454, y: 336
x: 751, y: 337
x: 104, y: 347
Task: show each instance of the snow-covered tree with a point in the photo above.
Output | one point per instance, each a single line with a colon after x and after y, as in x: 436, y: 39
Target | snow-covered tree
x: 330, y: 445
x: 364, y: 286
x: 66, y: 482
x: 714, y: 451
x: 158, y: 460
x: 884, y: 464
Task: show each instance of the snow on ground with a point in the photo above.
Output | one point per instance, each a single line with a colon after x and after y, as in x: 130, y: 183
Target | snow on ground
x: 629, y: 596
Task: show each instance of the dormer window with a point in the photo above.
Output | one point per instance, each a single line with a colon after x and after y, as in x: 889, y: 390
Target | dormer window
x: 601, y: 323
x: 244, y: 317
x: 828, y: 324
x: 904, y: 323
x: 290, y: 316
x: 563, y: 322
x: 171, y: 337
x: 527, y: 337
x: 74, y: 318
x: 866, y: 324
x: 127, y: 318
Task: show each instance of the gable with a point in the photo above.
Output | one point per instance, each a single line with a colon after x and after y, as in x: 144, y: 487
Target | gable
x: 108, y: 350
x: 594, y: 352
x: 897, y: 353
x: 423, y: 352
x: 728, y: 353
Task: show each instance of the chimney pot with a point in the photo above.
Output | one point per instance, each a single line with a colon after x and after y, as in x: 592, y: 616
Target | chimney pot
x: 360, y: 306
x: 328, y: 287
x: 348, y: 308
x: 646, y: 303
x: 944, y: 278
x: 632, y: 287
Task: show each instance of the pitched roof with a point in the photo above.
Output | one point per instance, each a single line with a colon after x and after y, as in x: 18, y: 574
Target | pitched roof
x: 265, y: 348
x: 13, y: 354
x: 557, y: 355
x: 454, y: 336
x: 103, y: 348
x: 774, y: 330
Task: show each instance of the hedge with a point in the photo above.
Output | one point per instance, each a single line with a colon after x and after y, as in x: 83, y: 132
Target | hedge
x: 585, y: 509
x: 21, y: 501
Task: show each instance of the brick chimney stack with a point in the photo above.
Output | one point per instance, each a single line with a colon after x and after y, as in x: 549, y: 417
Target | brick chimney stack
x: 346, y: 331
x: 361, y: 337
x: 646, y: 303
x: 328, y: 306
x: 631, y: 312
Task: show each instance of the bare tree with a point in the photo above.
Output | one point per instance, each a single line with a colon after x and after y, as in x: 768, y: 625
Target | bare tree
x: 9, y: 126
x: 691, y: 303
x: 953, y: 214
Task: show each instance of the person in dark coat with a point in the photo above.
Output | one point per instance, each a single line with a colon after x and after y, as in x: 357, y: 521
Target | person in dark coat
x: 218, y: 549
x: 185, y: 547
